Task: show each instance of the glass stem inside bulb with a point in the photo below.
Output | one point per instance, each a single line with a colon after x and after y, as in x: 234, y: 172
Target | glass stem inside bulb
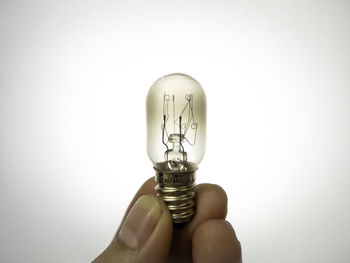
x: 175, y: 156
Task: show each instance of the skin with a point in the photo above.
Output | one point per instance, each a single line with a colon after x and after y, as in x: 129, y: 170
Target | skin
x: 208, y: 237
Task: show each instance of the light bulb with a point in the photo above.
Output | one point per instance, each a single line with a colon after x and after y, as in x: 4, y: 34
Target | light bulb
x: 176, y: 135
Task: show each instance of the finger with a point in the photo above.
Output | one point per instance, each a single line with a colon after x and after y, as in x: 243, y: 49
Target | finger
x: 145, y: 189
x: 211, y: 203
x: 216, y: 241
x: 144, y: 236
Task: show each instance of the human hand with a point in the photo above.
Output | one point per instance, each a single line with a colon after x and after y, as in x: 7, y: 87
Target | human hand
x: 146, y: 233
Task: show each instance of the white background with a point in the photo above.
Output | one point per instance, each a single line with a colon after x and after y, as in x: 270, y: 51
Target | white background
x: 73, y: 82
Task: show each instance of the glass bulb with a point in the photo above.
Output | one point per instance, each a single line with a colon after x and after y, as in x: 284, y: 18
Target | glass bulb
x: 176, y: 130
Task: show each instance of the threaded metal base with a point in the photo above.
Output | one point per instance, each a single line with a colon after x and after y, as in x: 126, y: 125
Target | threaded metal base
x: 180, y: 201
x: 177, y: 191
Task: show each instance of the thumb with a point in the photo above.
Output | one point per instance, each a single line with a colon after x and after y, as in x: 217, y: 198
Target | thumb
x: 144, y: 236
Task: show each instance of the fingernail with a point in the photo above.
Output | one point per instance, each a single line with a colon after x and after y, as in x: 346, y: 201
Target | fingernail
x: 140, y: 222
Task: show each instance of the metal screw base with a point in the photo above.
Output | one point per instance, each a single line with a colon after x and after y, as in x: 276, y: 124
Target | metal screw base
x: 177, y: 191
